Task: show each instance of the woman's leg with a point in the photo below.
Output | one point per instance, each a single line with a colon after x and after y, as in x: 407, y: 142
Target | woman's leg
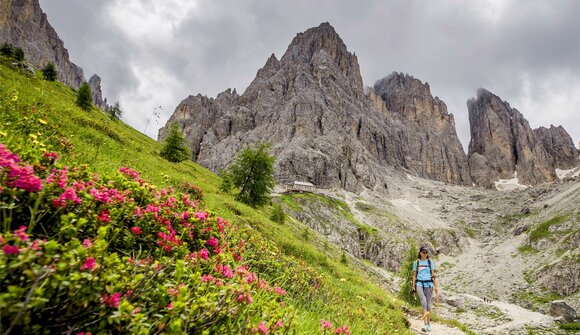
x: 428, y: 293
x: 424, y: 303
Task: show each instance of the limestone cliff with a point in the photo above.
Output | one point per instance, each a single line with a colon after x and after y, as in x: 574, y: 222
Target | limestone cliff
x: 503, y: 145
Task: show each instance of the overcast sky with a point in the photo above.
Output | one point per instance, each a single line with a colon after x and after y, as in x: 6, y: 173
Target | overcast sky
x: 153, y: 54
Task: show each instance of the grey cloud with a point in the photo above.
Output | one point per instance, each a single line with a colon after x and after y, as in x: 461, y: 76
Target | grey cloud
x: 451, y: 45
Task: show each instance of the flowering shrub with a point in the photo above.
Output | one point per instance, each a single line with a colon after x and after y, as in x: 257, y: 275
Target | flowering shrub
x: 83, y: 253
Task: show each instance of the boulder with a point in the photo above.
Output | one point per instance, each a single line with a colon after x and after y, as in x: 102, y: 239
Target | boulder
x: 560, y: 308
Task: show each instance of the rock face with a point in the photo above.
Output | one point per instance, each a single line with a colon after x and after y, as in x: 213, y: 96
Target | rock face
x: 95, y: 85
x: 23, y: 24
x: 559, y: 146
x: 435, y: 150
x: 311, y: 106
x: 503, y: 145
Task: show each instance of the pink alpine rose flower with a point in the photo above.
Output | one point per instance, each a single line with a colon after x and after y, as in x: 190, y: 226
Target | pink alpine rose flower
x: 136, y: 230
x: 10, y: 250
x: 89, y: 264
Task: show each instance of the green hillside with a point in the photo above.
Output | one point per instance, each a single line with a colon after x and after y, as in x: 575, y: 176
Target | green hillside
x: 140, y: 250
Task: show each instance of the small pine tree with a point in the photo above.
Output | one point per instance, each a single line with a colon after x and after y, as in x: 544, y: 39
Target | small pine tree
x: 175, y: 149
x: 252, y: 173
x: 406, y: 273
x: 278, y: 214
x: 7, y: 50
x: 115, y: 111
x: 49, y: 72
x: 84, y: 97
x: 343, y: 259
x: 18, y: 54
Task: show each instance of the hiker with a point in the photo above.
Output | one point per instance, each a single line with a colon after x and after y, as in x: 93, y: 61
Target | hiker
x: 424, y: 282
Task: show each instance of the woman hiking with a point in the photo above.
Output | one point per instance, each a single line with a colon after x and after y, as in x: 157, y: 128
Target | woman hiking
x: 424, y: 282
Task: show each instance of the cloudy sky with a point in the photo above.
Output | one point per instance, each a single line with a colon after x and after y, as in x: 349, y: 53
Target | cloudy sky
x: 153, y: 54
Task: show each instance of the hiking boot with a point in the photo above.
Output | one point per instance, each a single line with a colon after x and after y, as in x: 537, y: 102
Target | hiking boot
x: 428, y: 327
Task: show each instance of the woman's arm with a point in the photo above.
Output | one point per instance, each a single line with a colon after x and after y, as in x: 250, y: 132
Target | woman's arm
x: 434, y: 280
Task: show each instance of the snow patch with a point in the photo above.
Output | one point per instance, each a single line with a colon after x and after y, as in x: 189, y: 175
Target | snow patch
x: 510, y: 184
x: 571, y: 173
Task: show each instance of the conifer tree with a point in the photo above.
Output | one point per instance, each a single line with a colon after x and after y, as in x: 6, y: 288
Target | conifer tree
x: 7, y: 50
x: 115, y: 111
x: 84, y: 97
x: 18, y: 54
x: 252, y: 173
x: 175, y: 149
x: 49, y: 72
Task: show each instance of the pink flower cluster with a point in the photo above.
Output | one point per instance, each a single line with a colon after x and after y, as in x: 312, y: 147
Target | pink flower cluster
x: 131, y: 173
x: 69, y: 194
x: 19, y: 175
x: 260, y: 329
x: 112, y: 300
x: 89, y: 264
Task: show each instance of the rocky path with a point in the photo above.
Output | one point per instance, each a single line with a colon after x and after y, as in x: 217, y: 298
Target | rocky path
x: 437, y: 328
x: 519, y: 316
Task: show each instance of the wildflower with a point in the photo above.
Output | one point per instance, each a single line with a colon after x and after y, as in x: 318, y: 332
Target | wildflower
x: 212, y: 242
x: 104, y: 216
x: 137, y: 310
x: 279, y: 324
x: 20, y: 233
x: 170, y: 305
x: 112, y: 300
x: 245, y: 297
x: 87, y: 243
x: 225, y: 270
x: 201, y: 215
x: 89, y: 264
x: 279, y: 291
x: 10, y: 250
x: 325, y: 324
x: 136, y: 230
x: 69, y: 194
x: 206, y: 278
x: 342, y: 330
x: 204, y: 254
x: 261, y: 328
x: 23, y: 178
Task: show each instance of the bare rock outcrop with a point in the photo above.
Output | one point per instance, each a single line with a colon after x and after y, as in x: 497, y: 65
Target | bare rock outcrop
x: 95, y: 85
x: 24, y: 24
x: 559, y: 146
x: 435, y: 148
x: 503, y: 145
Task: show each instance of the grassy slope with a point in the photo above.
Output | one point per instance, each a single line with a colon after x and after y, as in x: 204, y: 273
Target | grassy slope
x: 106, y: 145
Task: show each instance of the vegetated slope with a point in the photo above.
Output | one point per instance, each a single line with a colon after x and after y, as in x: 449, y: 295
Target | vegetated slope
x: 38, y: 115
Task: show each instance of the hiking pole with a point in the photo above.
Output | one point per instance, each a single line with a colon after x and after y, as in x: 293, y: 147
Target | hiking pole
x: 437, y: 302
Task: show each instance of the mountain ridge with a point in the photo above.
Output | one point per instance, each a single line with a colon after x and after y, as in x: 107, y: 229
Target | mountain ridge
x: 327, y: 130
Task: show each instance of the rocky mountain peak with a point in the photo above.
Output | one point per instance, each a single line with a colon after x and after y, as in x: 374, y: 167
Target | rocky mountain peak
x: 503, y: 145
x: 410, y: 98
x: 319, y: 47
x: 559, y: 146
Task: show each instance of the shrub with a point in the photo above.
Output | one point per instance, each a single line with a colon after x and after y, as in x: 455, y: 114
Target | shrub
x: 84, y: 97
x: 7, y: 50
x: 175, y: 149
x: 406, y: 273
x: 117, y: 255
x: 252, y: 173
x: 49, y: 72
x: 18, y: 54
x: 278, y: 214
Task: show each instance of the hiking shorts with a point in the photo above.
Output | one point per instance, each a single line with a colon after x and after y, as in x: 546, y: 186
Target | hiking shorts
x: 425, y: 294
